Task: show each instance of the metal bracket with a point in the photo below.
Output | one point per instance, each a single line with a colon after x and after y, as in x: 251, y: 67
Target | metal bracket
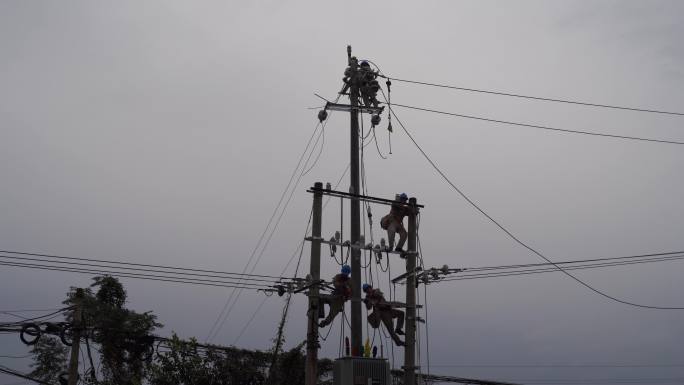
x: 407, y: 274
x: 346, y: 107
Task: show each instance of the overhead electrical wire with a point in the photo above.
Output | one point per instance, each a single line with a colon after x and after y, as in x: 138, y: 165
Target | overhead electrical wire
x: 137, y: 264
x: 49, y: 315
x: 27, y: 310
x: 249, y: 321
x: 228, y: 309
x: 515, y: 238
x: 567, y: 101
x: 670, y: 253
x: 130, y: 275
x: 109, y: 272
x: 263, y: 234
x: 17, y: 357
x: 394, y: 104
x: 300, y: 249
x: 497, y: 274
x: 235, y: 294
x: 15, y: 373
x: 179, y: 273
x: 321, y: 136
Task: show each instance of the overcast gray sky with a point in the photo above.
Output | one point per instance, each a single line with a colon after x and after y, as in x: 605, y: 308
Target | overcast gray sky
x: 164, y: 132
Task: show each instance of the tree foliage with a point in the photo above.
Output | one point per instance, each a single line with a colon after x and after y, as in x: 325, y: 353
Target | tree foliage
x: 49, y: 359
x: 123, y: 343
x: 188, y: 363
x: 123, y: 337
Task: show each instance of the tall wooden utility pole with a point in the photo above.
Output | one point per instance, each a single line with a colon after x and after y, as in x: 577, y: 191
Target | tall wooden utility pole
x: 311, y: 376
x: 356, y: 327
x: 410, y: 350
x: 76, y: 340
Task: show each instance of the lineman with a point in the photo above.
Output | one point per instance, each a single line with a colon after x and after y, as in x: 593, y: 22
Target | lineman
x: 341, y: 293
x: 383, y: 311
x: 394, y: 222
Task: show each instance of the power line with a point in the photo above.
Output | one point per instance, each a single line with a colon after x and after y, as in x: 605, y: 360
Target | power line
x: 15, y: 373
x: 537, y: 97
x: 535, y: 126
x: 512, y: 236
x: 235, y: 294
x: 60, y: 311
x: 149, y: 275
x: 505, y: 270
x: 670, y: 253
x: 263, y: 234
x: 554, y: 269
x: 137, y: 264
x: 300, y: 249
x: 249, y: 321
x: 129, y: 275
x: 28, y: 310
x: 182, y: 274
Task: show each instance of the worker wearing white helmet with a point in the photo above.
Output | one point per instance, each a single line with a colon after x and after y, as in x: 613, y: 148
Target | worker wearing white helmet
x: 394, y: 222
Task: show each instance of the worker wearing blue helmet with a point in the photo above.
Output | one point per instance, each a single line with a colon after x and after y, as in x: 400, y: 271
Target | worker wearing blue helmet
x: 383, y: 312
x: 394, y: 222
x: 341, y: 293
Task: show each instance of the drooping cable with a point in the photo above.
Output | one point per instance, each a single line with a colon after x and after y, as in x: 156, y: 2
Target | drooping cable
x: 516, y: 239
x: 377, y: 147
x: 288, y: 300
x: 263, y: 234
x: 322, y: 137
x: 228, y: 307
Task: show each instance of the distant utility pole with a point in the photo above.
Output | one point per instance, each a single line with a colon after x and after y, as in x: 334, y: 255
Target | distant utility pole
x: 76, y: 338
x: 311, y: 376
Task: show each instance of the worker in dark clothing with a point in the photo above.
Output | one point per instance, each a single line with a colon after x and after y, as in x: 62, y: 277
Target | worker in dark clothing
x: 383, y: 311
x: 394, y: 222
x: 342, y: 291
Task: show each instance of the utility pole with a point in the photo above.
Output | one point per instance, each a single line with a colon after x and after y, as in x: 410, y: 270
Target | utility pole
x: 410, y: 350
x: 76, y: 340
x: 311, y: 376
x: 356, y: 327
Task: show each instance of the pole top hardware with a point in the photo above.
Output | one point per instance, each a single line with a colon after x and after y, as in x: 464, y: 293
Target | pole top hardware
x: 346, y: 107
x: 365, y: 198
